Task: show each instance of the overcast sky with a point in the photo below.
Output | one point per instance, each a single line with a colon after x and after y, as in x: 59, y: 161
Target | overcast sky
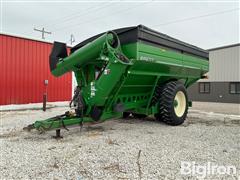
x: 205, y: 24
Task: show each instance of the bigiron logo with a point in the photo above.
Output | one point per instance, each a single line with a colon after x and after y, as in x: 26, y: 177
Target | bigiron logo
x: 204, y: 170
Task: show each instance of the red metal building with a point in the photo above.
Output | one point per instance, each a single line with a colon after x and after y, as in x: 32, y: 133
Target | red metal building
x: 24, y: 72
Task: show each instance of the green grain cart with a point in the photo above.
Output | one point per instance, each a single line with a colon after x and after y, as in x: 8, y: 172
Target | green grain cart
x: 129, y: 71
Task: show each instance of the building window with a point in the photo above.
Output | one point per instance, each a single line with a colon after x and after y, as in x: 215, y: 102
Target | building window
x: 234, y: 88
x: 204, y: 87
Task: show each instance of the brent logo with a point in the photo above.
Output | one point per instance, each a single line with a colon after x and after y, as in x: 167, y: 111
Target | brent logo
x: 148, y: 59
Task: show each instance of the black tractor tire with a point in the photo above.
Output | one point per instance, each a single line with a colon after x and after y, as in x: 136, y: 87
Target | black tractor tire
x: 173, y: 103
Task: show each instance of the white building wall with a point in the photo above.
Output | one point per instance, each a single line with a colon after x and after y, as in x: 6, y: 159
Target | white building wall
x: 224, y: 64
x: 74, y: 83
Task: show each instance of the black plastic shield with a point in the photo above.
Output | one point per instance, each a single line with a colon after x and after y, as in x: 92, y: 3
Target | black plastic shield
x: 59, y: 50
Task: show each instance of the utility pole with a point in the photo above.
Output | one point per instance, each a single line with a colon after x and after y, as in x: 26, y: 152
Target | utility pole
x: 72, y: 39
x: 43, y: 32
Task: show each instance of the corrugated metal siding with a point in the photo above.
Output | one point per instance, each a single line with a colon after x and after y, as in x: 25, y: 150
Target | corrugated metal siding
x: 224, y: 65
x: 23, y: 69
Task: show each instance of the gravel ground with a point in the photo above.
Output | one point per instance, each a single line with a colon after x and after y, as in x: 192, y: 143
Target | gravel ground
x: 120, y: 149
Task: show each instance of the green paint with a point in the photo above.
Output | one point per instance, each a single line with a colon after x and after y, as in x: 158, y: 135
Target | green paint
x: 130, y: 83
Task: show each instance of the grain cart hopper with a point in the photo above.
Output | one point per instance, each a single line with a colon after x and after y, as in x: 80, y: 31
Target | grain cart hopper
x: 133, y: 70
